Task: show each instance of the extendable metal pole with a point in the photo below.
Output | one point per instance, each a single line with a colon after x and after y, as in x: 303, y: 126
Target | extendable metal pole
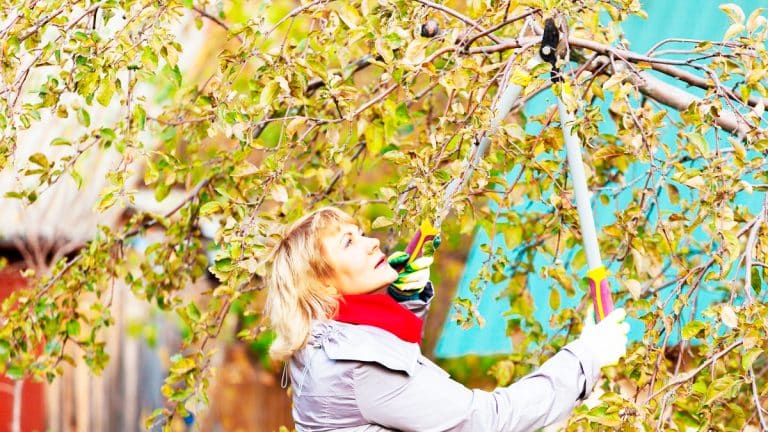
x: 598, y: 284
x: 427, y: 231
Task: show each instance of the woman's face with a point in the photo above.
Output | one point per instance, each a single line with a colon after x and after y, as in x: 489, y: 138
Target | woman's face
x: 360, y: 267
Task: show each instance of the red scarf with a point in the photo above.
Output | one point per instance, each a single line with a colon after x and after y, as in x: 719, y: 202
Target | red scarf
x: 382, y: 311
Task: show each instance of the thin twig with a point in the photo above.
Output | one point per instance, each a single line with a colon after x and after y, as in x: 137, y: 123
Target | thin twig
x: 469, y: 42
x: 692, y: 374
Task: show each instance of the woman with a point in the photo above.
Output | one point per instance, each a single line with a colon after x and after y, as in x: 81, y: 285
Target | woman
x: 350, y: 326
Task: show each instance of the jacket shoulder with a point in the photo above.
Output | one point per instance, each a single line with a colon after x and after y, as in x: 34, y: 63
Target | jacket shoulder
x: 363, y: 343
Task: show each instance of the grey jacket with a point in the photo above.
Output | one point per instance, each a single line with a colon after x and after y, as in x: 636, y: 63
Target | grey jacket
x: 364, y: 379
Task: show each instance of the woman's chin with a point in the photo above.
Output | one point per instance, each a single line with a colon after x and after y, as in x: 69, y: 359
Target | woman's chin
x: 393, y: 274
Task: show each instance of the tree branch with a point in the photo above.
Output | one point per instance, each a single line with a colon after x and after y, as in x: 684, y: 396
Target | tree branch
x: 692, y: 374
x: 357, y: 66
x: 216, y: 20
x: 751, y: 240
x: 666, y: 67
x: 469, y: 42
x: 756, y: 397
x: 460, y: 17
x: 130, y: 233
x: 292, y: 14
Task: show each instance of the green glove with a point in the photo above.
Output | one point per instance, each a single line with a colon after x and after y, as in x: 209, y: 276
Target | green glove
x: 415, y: 276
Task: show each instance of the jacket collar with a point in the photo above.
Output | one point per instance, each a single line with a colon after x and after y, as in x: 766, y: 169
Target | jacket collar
x: 382, y: 311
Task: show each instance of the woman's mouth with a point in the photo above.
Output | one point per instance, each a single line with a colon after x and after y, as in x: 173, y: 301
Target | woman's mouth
x: 381, y: 261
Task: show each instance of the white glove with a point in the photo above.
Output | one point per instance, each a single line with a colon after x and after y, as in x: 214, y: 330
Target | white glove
x: 607, y: 340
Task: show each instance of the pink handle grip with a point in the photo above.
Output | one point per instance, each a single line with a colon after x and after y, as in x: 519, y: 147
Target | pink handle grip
x: 601, y: 297
x: 426, y: 233
x: 416, y: 245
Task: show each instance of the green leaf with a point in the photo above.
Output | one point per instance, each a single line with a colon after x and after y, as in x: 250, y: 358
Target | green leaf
x: 756, y: 280
x: 77, y: 178
x: 749, y: 357
x: 105, y: 93
x: 107, y: 201
x: 175, y: 73
x: 149, y: 58
x: 15, y: 372
x: 73, y: 328
x: 700, y: 143
x: 183, y: 365
x: 168, y: 133
x: 268, y: 93
x: 83, y: 117
x: 40, y: 159
x: 140, y: 115
x: 210, y: 208
x: 692, y: 329
x: 5, y: 349
x: 60, y: 142
x: 224, y: 265
x: 193, y: 312
x: 108, y: 134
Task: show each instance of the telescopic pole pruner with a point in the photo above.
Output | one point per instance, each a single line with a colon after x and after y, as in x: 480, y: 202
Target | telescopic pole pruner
x: 598, y: 284
x: 599, y: 289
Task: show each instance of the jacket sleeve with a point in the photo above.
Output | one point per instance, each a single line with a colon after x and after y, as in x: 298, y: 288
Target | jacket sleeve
x: 418, y: 304
x: 429, y: 400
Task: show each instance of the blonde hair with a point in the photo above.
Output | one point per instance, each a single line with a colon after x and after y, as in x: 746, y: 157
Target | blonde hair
x: 296, y: 288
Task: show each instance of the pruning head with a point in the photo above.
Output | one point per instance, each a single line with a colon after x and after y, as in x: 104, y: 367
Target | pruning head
x: 548, y: 50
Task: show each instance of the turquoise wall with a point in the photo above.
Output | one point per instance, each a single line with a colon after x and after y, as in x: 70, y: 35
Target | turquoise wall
x: 692, y: 19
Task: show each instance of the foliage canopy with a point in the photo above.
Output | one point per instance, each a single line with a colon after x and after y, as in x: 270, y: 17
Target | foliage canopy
x: 345, y: 103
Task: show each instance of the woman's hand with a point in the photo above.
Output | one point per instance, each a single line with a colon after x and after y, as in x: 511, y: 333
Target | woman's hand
x: 415, y: 275
x: 607, y: 339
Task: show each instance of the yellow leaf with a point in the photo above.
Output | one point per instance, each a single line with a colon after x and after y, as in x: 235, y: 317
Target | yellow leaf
x: 614, y: 81
x: 245, y: 169
x: 700, y: 143
x: 729, y: 316
x: 733, y: 30
x: 347, y: 13
x: 293, y: 126
x: 183, y: 366
x: 695, y: 182
x: 521, y: 77
x: 384, y: 50
x: 415, y: 52
x: 283, y: 84
x: 756, y: 19
x: 756, y: 75
x: 634, y: 287
x: 597, y: 90
x: 554, y: 299
x: 280, y: 194
x: 381, y: 222
x: 387, y: 193
x: 739, y: 150
x: 734, y: 12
